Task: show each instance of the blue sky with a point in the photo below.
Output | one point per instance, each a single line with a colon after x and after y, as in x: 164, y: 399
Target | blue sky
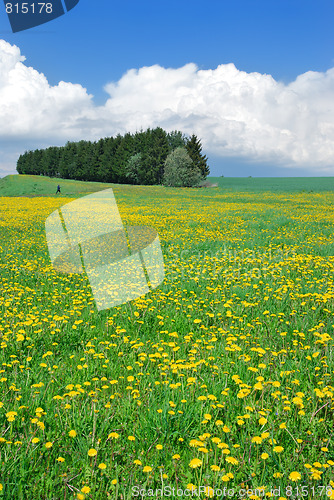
x: 99, y: 42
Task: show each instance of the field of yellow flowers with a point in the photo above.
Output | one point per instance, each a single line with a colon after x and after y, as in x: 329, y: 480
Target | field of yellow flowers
x: 219, y: 383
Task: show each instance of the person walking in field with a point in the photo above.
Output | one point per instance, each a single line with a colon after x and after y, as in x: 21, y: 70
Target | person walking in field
x: 58, y: 189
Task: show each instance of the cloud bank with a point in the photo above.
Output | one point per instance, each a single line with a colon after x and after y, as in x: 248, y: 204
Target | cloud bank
x: 236, y: 114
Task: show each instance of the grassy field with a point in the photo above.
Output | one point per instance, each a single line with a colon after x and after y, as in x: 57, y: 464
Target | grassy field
x: 275, y: 184
x: 37, y: 185
x: 220, y: 378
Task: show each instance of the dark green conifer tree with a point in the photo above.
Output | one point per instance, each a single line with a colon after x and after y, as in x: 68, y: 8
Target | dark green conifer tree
x: 176, y: 140
x: 67, y: 163
x: 194, y: 149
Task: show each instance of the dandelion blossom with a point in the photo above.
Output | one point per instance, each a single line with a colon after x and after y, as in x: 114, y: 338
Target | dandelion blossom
x: 113, y: 435
x: 295, y: 476
x: 195, y: 462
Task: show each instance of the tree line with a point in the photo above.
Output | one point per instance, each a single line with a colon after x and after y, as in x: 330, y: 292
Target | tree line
x: 139, y: 158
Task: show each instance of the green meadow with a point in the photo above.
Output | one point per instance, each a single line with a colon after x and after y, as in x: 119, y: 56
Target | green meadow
x: 219, y: 380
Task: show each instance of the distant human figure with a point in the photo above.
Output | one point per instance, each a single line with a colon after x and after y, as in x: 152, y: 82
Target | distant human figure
x: 58, y: 189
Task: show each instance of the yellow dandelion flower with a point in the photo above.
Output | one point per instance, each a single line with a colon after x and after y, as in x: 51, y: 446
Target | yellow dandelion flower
x: 72, y: 433
x: 209, y: 492
x: 147, y: 469
x: 295, y: 476
x: 203, y: 450
x: 113, y: 435
x: 102, y: 466
x: 222, y: 445
x: 92, y: 452
x: 195, y: 462
x: 258, y: 386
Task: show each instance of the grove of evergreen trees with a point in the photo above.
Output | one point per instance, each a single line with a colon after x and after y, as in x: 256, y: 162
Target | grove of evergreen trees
x: 130, y: 159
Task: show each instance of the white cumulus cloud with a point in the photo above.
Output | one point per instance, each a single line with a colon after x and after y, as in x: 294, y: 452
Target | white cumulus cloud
x: 30, y: 107
x: 249, y: 115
